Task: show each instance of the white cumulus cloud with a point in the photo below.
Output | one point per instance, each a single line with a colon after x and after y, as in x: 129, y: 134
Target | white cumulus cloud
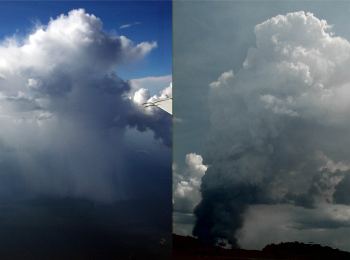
x: 186, y: 192
x: 187, y: 184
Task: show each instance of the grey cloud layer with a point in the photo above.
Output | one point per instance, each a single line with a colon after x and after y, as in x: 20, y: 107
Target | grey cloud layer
x: 280, y: 127
x: 64, y: 111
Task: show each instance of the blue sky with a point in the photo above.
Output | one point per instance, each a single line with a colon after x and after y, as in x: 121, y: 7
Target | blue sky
x: 154, y: 20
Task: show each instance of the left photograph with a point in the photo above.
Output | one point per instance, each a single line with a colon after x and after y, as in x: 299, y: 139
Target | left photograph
x: 85, y: 136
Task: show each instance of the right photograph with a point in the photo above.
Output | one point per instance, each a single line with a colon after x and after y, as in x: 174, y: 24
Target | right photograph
x: 261, y: 144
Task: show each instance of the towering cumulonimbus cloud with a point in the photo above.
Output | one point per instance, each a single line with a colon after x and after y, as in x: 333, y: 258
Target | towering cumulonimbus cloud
x: 280, y: 127
x: 64, y: 111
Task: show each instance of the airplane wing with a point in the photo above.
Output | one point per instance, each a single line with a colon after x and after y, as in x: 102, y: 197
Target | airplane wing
x: 165, y: 104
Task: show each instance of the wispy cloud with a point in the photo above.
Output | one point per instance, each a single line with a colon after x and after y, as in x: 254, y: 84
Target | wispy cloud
x: 124, y: 26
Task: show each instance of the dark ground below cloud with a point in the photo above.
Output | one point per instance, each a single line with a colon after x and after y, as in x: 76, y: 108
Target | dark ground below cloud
x: 188, y: 248
x: 79, y: 229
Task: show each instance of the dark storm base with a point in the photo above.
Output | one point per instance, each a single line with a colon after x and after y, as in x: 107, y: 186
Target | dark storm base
x: 79, y: 229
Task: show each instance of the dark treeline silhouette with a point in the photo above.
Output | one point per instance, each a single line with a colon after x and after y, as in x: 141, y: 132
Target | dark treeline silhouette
x: 186, y: 248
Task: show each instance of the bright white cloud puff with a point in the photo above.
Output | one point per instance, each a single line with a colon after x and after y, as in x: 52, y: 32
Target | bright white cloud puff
x: 186, y: 185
